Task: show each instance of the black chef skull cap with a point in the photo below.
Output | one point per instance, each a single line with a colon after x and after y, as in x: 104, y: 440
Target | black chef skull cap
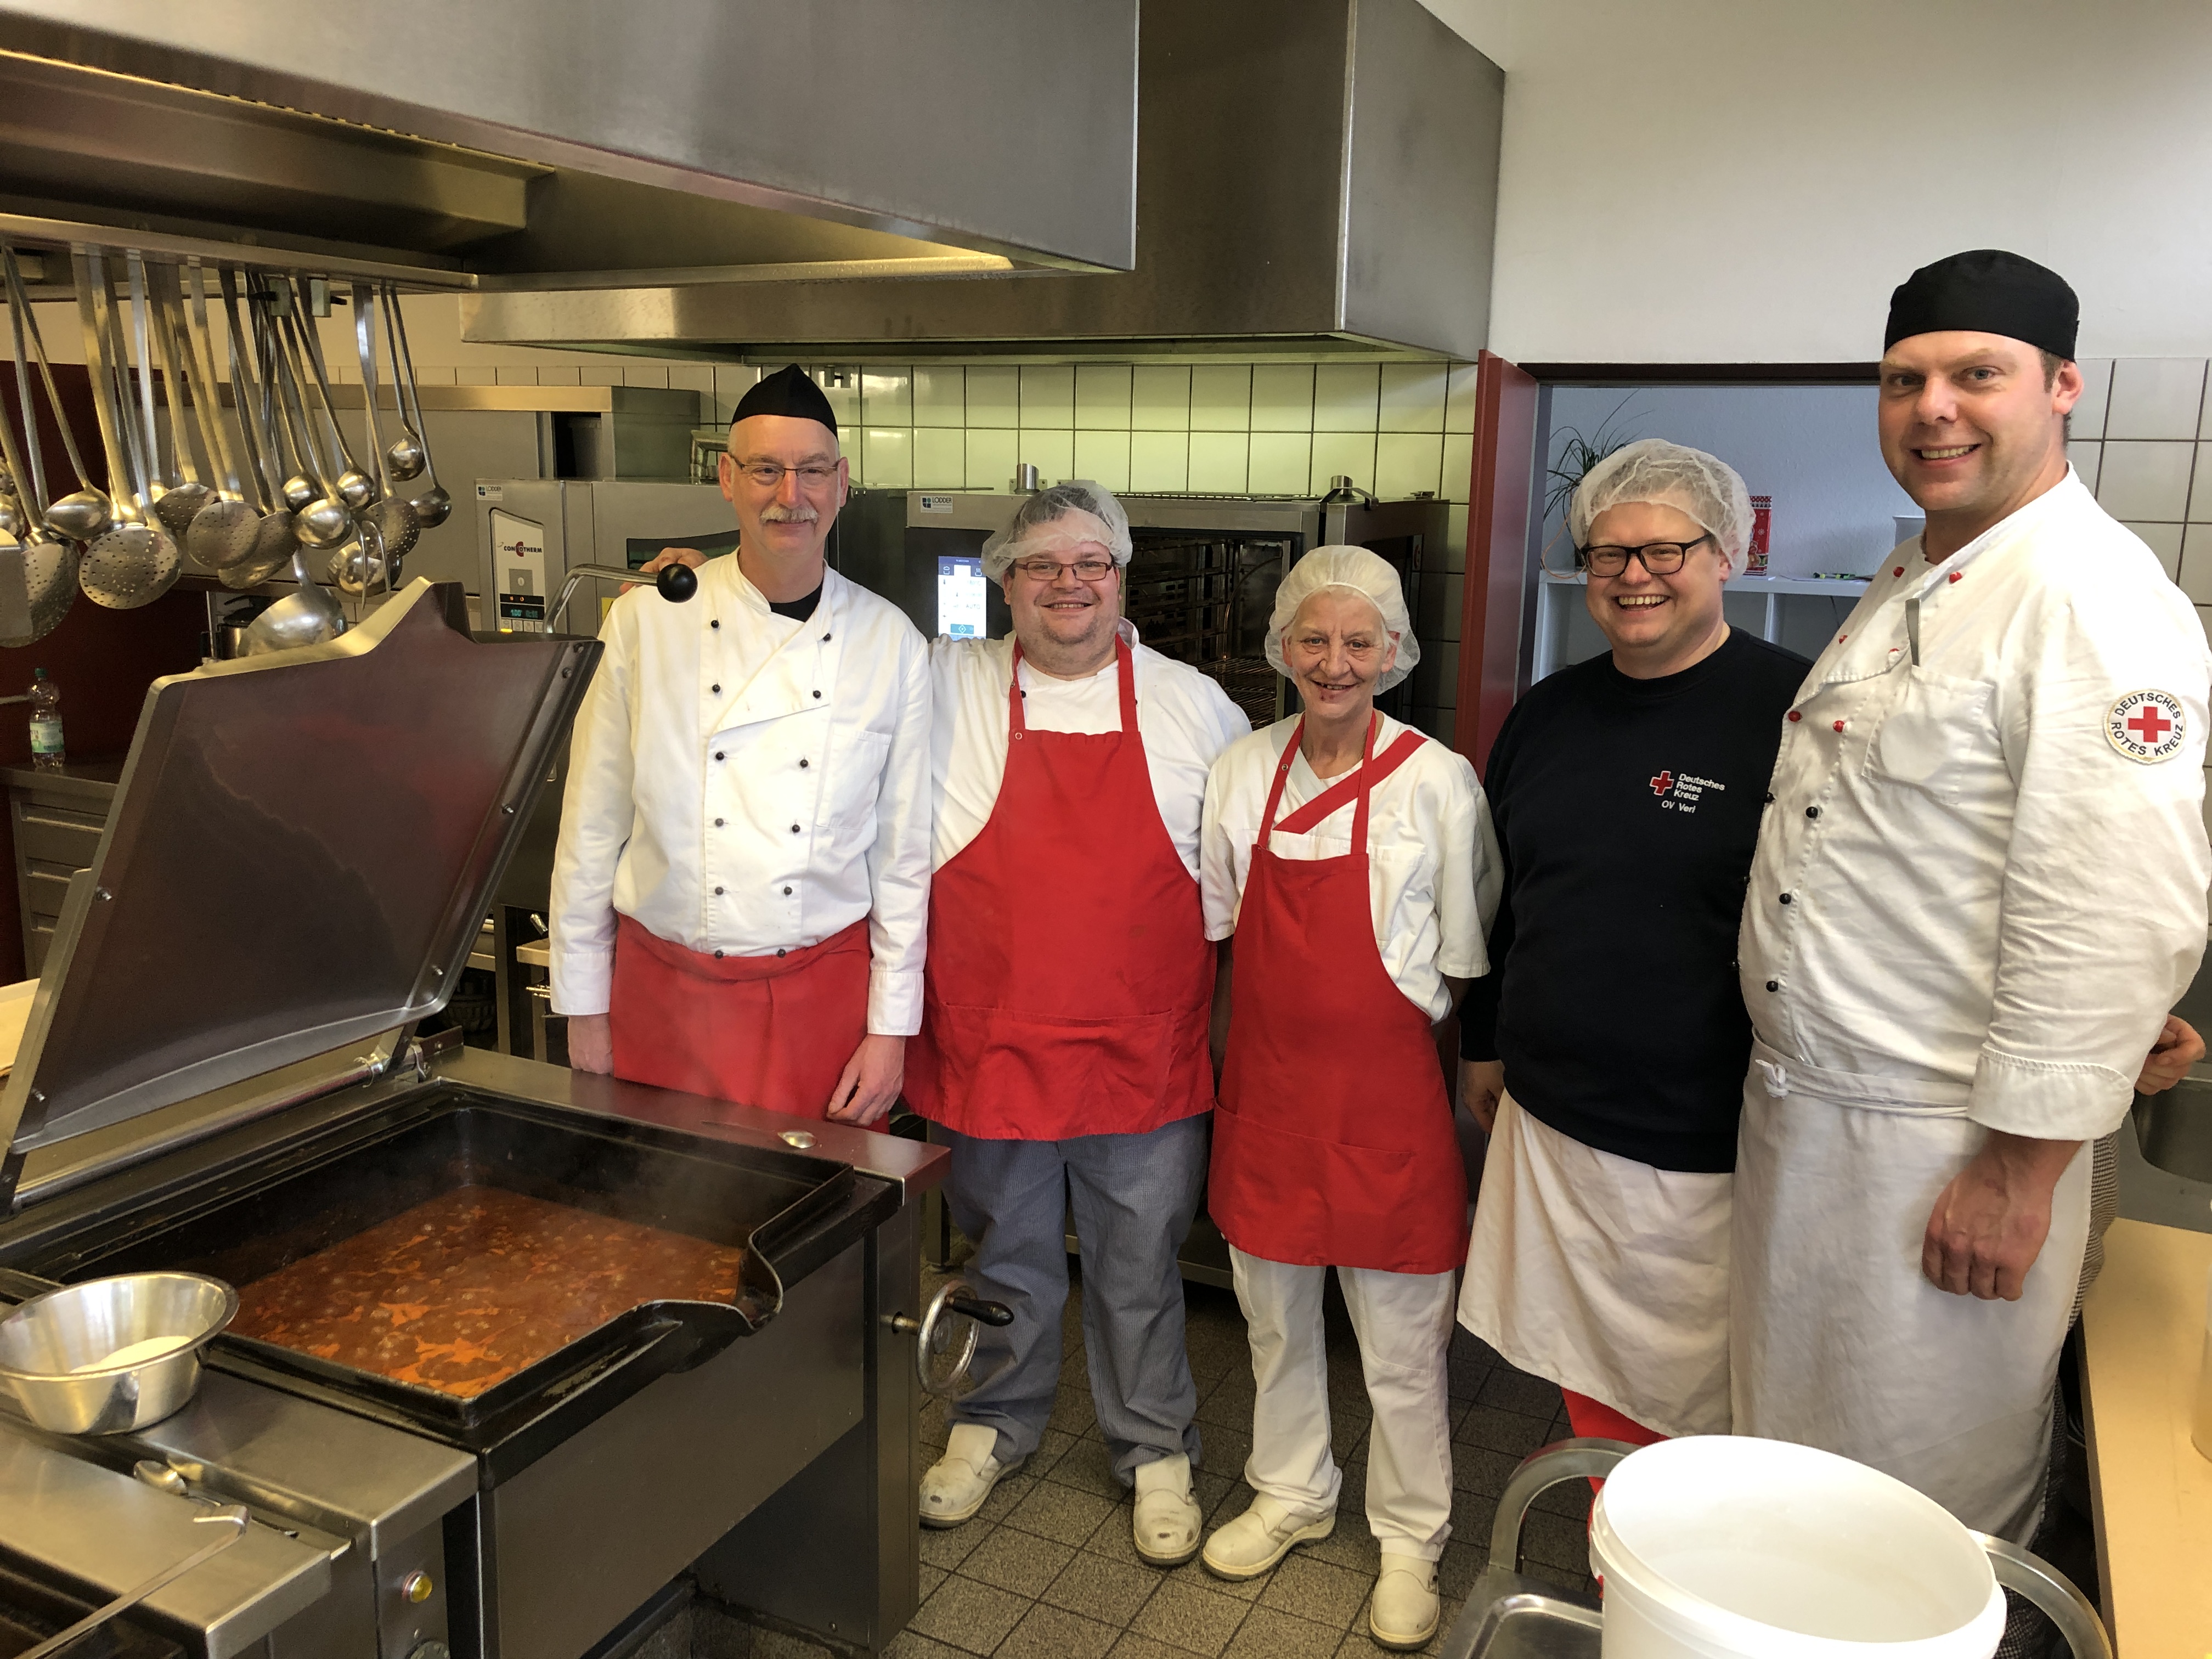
x: 1987, y: 291
x: 790, y: 391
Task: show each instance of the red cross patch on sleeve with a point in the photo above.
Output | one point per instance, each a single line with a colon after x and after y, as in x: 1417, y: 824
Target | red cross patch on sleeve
x: 2147, y: 725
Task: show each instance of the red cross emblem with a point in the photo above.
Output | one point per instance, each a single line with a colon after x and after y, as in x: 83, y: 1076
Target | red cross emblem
x: 2149, y: 724
x: 1662, y: 783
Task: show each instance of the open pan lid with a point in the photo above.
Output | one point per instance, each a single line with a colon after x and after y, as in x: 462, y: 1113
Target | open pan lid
x: 300, y: 856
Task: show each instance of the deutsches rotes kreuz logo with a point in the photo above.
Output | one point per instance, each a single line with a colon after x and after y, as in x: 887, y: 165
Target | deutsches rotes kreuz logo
x: 2147, y: 725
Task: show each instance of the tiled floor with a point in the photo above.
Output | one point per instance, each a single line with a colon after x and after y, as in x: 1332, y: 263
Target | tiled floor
x: 1047, y: 1570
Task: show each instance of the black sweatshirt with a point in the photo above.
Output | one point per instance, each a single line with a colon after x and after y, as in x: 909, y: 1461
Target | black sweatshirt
x: 1627, y: 810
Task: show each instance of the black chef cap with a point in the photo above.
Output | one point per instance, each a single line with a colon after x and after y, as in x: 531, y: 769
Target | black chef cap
x: 1987, y: 292
x: 790, y: 392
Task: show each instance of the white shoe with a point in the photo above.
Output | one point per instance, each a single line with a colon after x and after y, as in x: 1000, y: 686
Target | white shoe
x: 1405, y: 1610
x: 1167, y: 1519
x: 1260, y: 1537
x: 959, y: 1482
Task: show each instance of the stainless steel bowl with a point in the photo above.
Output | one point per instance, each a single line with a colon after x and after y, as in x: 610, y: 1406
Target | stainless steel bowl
x: 53, y: 1347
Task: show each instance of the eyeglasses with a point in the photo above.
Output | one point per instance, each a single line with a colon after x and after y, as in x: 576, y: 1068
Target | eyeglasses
x: 768, y: 474
x: 1046, y: 570
x: 1660, y: 558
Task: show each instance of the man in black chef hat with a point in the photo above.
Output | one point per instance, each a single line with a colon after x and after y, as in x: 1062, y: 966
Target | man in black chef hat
x: 1979, y: 885
x: 741, y: 888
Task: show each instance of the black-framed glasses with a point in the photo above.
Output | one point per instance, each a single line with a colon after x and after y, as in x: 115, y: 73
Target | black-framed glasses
x: 1048, y: 570
x: 1660, y: 558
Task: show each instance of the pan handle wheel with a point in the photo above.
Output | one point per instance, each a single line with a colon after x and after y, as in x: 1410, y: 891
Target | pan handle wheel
x: 946, y: 1337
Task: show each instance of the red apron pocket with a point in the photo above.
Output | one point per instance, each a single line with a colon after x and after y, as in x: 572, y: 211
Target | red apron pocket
x: 1046, y: 1077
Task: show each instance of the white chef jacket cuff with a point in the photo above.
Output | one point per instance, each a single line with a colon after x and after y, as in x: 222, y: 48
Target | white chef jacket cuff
x: 894, y: 1002
x: 582, y: 981
x: 2048, y: 1100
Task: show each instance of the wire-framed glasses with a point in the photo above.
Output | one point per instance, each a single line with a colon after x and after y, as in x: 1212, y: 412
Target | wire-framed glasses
x: 768, y: 475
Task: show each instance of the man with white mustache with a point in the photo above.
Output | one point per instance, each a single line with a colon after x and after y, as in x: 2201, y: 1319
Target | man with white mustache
x: 741, y: 888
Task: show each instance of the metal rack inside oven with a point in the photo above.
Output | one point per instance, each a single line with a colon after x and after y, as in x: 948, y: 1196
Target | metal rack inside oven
x: 1203, y: 598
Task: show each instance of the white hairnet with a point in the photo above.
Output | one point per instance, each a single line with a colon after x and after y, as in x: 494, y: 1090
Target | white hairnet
x: 1055, y: 521
x: 1690, y: 481
x: 1368, y: 574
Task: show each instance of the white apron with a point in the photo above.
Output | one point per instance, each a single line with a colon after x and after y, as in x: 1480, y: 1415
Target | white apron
x: 1606, y: 1275
x: 1850, y: 1167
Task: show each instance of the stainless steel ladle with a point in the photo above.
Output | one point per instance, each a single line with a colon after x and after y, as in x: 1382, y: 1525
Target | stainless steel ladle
x: 307, y: 617
x: 87, y: 511
x: 135, y: 562
x: 433, y: 506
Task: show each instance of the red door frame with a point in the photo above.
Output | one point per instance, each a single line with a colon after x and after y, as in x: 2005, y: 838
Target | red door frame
x: 1498, y: 503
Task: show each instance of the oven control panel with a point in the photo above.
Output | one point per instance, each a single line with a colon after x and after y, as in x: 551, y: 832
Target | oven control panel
x: 518, y: 556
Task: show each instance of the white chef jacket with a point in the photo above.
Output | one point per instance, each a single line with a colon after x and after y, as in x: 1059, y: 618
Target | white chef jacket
x: 1184, y: 717
x: 1982, y: 886
x: 1433, y: 873
x: 742, y: 781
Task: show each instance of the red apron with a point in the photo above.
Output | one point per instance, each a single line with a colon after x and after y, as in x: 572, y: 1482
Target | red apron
x: 1333, y: 1145
x: 773, y: 1031
x: 1069, y: 980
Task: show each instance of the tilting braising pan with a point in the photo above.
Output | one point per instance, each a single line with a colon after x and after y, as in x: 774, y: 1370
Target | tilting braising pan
x: 671, y: 1313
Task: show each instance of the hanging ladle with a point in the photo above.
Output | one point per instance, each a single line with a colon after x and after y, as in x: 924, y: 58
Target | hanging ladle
x: 133, y: 562
x: 324, y: 521
x: 176, y: 502
x: 224, y: 532
x: 273, y: 542
x: 86, y: 511
x: 396, y: 522
x: 38, y: 574
x: 404, y: 460
x: 354, y: 487
x: 308, y: 617
x: 434, y: 505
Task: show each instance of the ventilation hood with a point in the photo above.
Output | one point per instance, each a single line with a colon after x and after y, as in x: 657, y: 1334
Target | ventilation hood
x: 1315, y: 178
x: 576, y: 142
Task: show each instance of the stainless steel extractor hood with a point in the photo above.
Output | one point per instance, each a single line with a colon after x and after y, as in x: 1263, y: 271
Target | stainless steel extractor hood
x: 1315, y: 177
x: 578, y: 141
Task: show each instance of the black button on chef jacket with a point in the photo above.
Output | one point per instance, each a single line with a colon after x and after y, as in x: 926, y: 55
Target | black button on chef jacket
x: 1626, y: 811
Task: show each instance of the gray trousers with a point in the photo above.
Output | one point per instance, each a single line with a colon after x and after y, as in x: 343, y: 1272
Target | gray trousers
x: 1133, y: 1197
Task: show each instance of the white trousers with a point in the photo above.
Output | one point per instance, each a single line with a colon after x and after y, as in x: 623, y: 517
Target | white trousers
x: 1404, y: 1323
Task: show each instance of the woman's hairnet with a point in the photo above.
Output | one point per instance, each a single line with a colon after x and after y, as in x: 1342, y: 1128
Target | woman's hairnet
x: 1365, y: 574
x: 1054, y: 521
x: 1689, y: 480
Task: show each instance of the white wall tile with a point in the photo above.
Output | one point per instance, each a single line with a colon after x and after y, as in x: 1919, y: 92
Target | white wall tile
x: 2204, y: 615
x: 887, y: 458
x: 1102, y: 457
x: 651, y: 375
x: 1458, y: 476
x: 429, y: 374
x: 2164, y: 540
x: 2146, y: 481
x: 2195, y: 564
x: 886, y: 396
x: 2200, y: 492
x: 508, y: 373
x: 1051, y: 451
x: 1414, y: 396
x: 1159, y: 460
x: 992, y: 454
x: 691, y: 377
x: 941, y: 457
x: 1048, y: 396
x: 2088, y: 420
x: 1459, y: 401
x: 1101, y: 397
x: 2155, y: 397
x: 607, y: 372
x: 1221, y: 398
x: 1281, y: 462
x: 1282, y: 397
x: 1345, y: 397
x: 560, y: 374
x: 994, y: 398
x: 1159, y: 398
x: 1352, y: 454
x: 1407, y: 462
x: 940, y: 397
x: 2087, y: 458
x: 1218, y: 462
x: 485, y: 375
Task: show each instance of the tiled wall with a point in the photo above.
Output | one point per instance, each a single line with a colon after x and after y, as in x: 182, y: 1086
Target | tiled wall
x: 1214, y: 428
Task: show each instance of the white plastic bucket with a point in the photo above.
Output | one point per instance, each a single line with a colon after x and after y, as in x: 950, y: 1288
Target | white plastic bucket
x: 1724, y: 1547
